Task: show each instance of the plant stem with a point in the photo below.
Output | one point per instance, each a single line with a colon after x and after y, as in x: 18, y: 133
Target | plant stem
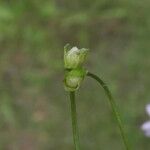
x: 74, y: 121
x: 114, y: 107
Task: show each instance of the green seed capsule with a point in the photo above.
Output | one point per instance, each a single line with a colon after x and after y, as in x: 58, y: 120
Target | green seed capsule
x: 74, y: 78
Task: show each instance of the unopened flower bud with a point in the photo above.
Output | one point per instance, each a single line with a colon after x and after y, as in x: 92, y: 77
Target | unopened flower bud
x: 74, y: 57
x: 74, y: 78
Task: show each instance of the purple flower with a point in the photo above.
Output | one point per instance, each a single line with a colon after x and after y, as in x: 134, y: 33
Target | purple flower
x: 146, y: 126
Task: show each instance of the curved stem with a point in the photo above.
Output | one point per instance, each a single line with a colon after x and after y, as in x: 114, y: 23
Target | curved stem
x: 114, y: 107
x: 74, y: 121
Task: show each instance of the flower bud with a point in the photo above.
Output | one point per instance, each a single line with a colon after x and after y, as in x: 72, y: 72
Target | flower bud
x: 74, y: 57
x: 74, y: 78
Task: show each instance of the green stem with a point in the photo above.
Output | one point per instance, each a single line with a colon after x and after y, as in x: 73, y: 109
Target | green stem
x: 74, y: 121
x: 114, y: 107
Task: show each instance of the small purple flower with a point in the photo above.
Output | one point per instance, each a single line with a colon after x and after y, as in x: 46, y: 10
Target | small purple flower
x: 146, y: 126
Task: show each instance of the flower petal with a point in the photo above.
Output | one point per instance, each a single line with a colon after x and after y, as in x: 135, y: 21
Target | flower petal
x: 147, y: 133
x: 148, y: 109
x: 146, y: 126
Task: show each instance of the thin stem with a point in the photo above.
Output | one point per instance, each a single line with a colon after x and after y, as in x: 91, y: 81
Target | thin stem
x: 74, y: 121
x: 114, y: 108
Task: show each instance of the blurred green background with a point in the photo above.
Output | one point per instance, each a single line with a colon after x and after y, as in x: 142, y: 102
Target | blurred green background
x: 34, y: 108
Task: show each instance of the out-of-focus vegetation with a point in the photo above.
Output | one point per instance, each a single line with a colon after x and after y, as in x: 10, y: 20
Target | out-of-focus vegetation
x: 34, y: 109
